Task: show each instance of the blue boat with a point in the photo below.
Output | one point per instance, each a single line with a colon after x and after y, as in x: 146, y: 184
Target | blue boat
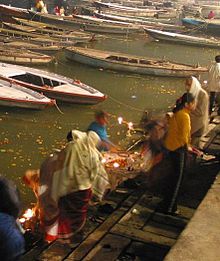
x: 207, y: 25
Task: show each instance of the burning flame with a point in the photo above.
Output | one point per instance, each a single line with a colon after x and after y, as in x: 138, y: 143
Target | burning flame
x: 28, y: 214
x: 130, y: 125
x: 103, y: 160
x: 120, y: 120
x: 116, y: 165
x: 22, y: 220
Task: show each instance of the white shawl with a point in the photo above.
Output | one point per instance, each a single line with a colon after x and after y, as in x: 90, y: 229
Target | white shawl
x: 81, y: 168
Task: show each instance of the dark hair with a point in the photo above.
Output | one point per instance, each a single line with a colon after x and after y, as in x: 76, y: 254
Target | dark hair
x: 9, y: 198
x: 69, y: 136
x: 180, y: 103
x: 101, y: 114
x: 217, y: 58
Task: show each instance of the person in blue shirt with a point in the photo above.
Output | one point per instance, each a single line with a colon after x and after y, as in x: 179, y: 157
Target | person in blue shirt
x: 99, y: 126
x: 12, y: 243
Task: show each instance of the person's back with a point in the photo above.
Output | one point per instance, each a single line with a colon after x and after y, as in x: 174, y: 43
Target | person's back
x: 178, y: 131
x: 214, y: 77
x: 11, y: 240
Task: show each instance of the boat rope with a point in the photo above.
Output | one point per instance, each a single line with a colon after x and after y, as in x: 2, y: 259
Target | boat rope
x: 124, y: 104
x: 59, y: 110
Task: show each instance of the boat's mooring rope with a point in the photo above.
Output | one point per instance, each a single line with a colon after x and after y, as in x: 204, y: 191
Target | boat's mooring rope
x: 126, y: 105
x: 59, y: 110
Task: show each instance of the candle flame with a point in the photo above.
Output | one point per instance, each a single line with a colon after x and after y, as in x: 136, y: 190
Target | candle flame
x: 116, y: 165
x: 22, y: 220
x: 120, y: 120
x: 103, y: 160
x: 130, y: 125
x: 28, y: 214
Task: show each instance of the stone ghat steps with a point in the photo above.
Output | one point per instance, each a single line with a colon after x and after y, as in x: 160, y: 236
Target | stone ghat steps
x: 132, y: 228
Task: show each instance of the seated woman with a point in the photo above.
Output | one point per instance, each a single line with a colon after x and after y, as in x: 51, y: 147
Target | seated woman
x: 68, y: 179
x: 177, y: 143
x: 11, y: 240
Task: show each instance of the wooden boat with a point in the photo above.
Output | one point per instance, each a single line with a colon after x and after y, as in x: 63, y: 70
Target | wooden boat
x: 183, y: 39
x: 7, y: 12
x: 53, y: 28
x: 93, y: 11
x: 37, y: 38
x: 52, y: 85
x: 129, y: 10
x: 205, y: 25
x: 100, y: 20
x: 19, y: 56
x: 13, y: 95
x: 70, y: 23
x: 130, y: 63
x: 139, y: 21
x: 26, y: 45
x: 59, y: 36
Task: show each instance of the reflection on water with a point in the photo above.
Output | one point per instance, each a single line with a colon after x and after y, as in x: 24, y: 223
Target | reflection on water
x: 28, y: 136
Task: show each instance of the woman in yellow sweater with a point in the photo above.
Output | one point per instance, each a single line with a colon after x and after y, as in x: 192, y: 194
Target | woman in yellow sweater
x: 177, y: 143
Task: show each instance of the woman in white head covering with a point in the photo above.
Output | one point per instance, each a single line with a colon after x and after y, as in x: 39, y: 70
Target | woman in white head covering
x: 200, y: 116
x: 67, y: 182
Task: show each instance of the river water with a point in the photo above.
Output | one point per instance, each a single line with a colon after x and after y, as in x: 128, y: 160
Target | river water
x: 27, y: 137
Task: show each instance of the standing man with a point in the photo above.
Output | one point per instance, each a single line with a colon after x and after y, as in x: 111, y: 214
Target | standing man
x: 214, y: 84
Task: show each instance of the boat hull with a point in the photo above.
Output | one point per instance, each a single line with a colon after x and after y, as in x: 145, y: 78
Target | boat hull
x: 22, y: 104
x: 58, y: 95
x: 176, y: 40
x: 70, y: 23
x: 98, y: 63
x: 25, y: 60
x: 209, y: 27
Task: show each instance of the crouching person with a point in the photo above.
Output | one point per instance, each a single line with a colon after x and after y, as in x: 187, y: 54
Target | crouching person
x: 11, y: 240
x: 68, y: 180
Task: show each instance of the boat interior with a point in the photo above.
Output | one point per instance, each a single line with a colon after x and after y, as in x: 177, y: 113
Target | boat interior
x: 133, y: 60
x: 37, y: 80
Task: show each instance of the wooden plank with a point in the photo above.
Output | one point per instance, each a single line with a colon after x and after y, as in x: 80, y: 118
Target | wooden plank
x: 162, y: 229
x: 55, y: 252
x: 186, y: 212
x: 34, y: 252
x: 86, y: 246
x: 169, y: 220
x: 108, y: 249
x: 146, y: 252
x: 143, y: 236
x: 140, y: 213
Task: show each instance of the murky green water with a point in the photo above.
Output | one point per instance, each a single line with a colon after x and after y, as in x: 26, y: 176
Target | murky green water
x: 26, y: 137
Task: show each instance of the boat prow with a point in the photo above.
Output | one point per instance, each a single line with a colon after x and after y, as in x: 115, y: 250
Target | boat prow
x: 13, y: 95
x: 51, y: 85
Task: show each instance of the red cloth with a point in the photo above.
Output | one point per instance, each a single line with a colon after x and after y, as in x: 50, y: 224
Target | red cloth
x: 211, y: 15
x: 72, y: 215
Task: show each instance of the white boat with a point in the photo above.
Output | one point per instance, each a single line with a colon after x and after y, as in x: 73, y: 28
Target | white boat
x: 183, y: 39
x: 13, y: 95
x: 50, y: 84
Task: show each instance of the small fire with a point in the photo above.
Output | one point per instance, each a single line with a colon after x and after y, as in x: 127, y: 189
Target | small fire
x: 22, y: 220
x: 28, y: 213
x: 130, y: 125
x: 120, y: 120
x: 116, y: 165
x: 103, y: 160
